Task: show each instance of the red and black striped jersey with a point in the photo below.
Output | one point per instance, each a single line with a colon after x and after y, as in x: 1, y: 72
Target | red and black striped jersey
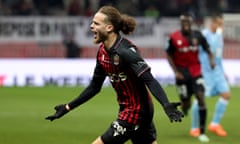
x: 184, y: 50
x: 123, y: 65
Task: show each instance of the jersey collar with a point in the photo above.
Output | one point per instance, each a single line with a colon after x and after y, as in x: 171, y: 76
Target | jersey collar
x: 117, y: 42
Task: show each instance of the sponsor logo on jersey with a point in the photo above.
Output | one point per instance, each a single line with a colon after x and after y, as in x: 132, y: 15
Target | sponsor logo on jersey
x: 117, y: 77
x: 179, y: 42
x: 187, y: 49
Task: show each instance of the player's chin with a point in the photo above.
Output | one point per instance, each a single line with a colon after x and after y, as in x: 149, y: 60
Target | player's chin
x: 95, y: 39
x: 98, y: 38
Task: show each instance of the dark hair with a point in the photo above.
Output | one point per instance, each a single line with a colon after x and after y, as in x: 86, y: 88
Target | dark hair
x: 186, y: 17
x: 120, y: 22
x: 215, y: 16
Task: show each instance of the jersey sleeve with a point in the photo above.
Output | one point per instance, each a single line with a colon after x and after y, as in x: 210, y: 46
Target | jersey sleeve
x: 204, y: 43
x: 169, y: 47
x: 92, y: 89
x: 99, y: 73
x: 155, y: 87
x: 132, y: 58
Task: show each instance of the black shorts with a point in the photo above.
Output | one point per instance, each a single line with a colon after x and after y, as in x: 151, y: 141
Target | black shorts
x: 120, y: 131
x: 189, y: 85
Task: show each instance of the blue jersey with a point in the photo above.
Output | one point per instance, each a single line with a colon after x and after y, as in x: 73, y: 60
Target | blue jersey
x: 215, y: 41
x: 215, y: 81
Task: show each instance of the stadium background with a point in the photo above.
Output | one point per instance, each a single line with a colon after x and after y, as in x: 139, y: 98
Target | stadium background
x: 39, y: 11
x: 32, y: 35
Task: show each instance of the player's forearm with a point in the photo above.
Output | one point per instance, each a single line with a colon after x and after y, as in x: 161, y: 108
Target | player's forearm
x: 170, y: 61
x: 87, y: 94
x: 158, y: 92
x: 206, y: 48
x: 155, y: 87
x: 211, y: 60
x: 210, y: 56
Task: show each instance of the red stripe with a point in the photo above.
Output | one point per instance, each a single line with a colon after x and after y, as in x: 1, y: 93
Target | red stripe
x: 127, y: 91
x: 135, y: 100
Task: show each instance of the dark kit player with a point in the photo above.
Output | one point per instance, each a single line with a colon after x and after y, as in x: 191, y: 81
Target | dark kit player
x: 129, y: 75
x: 182, y: 54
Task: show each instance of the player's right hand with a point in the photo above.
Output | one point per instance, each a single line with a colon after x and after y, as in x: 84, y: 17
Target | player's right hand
x: 212, y: 64
x: 60, y: 111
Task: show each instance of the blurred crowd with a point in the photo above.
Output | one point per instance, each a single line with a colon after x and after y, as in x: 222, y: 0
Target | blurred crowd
x: 151, y: 8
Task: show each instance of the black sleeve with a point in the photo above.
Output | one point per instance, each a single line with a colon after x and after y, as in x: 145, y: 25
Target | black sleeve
x: 134, y: 60
x: 154, y: 87
x: 142, y: 70
x: 93, y: 88
x: 204, y: 43
x: 169, y: 48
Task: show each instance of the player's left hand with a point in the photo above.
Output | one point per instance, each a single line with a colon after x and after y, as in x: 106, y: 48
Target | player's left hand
x: 172, y: 112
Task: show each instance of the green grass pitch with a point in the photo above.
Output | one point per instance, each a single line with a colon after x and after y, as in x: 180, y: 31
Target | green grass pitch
x: 22, y: 113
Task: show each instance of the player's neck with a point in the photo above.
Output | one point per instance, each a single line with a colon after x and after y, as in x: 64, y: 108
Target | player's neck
x: 110, y: 41
x: 186, y: 33
x: 212, y: 28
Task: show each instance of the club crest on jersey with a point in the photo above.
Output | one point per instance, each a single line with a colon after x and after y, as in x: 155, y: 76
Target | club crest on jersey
x: 179, y: 42
x: 194, y: 41
x: 116, y: 59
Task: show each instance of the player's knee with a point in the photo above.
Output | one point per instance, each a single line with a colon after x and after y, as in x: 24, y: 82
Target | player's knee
x: 200, y: 94
x: 186, y: 105
x: 155, y: 142
x: 201, y: 101
x: 225, y: 96
x: 98, y: 141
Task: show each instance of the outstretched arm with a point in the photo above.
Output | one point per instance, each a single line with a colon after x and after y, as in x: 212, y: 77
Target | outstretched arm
x: 155, y: 87
x: 93, y: 88
x: 169, y: 54
x: 142, y: 70
x: 158, y: 92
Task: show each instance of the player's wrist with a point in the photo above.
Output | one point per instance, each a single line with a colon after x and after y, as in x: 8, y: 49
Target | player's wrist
x: 67, y: 107
x: 166, y: 104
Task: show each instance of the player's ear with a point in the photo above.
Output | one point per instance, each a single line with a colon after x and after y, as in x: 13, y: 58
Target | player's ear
x: 109, y: 28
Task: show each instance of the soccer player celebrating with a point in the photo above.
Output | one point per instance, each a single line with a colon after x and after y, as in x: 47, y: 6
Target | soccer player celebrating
x: 182, y: 54
x: 130, y: 77
x: 215, y: 81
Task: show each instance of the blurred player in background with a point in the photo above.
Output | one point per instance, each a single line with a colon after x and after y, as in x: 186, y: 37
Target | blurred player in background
x: 182, y: 54
x: 129, y: 75
x: 73, y: 50
x: 215, y: 80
